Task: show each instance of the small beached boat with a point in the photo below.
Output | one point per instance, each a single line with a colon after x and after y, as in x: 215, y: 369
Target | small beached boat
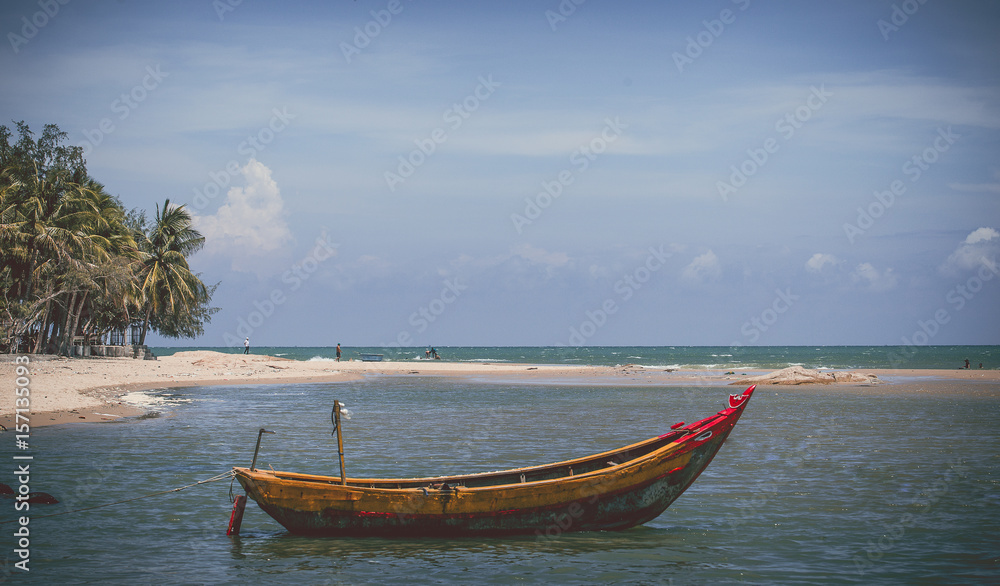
x: 372, y: 357
x: 612, y: 490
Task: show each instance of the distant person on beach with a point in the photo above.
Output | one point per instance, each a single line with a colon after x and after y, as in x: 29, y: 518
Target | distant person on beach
x: 434, y: 353
x: 246, y: 346
x: 338, y: 352
x: 966, y: 363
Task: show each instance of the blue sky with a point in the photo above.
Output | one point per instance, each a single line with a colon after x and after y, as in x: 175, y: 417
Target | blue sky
x: 543, y: 173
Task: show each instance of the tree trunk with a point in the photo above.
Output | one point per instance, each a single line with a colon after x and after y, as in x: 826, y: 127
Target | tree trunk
x: 145, y: 325
x: 42, y: 327
x: 26, y: 290
x: 66, y: 337
x: 79, y: 311
x: 43, y: 338
x: 86, y: 327
x: 76, y: 319
x: 52, y: 344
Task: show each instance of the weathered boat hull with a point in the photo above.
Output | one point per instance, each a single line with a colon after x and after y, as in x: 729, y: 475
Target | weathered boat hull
x: 610, y: 491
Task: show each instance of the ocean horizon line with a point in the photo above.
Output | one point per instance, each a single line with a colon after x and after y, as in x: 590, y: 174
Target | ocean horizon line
x: 668, y: 357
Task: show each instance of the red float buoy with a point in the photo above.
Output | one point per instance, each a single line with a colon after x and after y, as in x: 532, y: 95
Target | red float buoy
x: 236, y: 519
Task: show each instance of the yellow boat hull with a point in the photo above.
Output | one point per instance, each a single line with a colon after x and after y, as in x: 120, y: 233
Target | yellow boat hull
x: 609, y: 491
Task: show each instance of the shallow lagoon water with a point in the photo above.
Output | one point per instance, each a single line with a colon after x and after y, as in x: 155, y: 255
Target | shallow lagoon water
x: 825, y: 485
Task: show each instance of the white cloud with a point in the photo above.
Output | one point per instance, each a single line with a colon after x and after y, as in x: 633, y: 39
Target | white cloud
x: 869, y: 276
x: 979, y: 244
x: 981, y: 235
x: 250, y: 223
x: 522, y: 268
x: 702, y: 269
x: 979, y: 187
x: 540, y: 256
x: 525, y: 256
x: 819, y: 260
x: 900, y: 95
x: 599, y: 272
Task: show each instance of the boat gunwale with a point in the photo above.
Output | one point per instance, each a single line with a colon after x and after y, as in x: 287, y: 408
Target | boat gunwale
x: 679, y: 444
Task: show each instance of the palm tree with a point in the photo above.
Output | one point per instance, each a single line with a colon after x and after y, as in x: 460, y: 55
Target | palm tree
x: 166, y: 283
x: 44, y: 230
x: 37, y: 177
x: 70, y: 253
x: 102, y: 269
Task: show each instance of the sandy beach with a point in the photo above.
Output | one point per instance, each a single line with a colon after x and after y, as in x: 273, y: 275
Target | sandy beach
x: 64, y: 390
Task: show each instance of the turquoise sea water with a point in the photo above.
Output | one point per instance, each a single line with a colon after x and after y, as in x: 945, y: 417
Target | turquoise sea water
x: 822, y: 485
x: 696, y: 357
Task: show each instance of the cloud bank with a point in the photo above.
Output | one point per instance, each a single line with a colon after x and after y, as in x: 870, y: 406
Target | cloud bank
x: 249, y: 227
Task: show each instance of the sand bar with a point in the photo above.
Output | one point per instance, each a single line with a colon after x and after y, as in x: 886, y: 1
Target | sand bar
x: 65, y: 390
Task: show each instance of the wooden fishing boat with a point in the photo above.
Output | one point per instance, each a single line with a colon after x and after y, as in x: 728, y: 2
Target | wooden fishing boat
x: 612, y: 490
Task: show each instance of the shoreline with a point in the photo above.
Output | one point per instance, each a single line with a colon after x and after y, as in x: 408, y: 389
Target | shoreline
x: 77, y: 390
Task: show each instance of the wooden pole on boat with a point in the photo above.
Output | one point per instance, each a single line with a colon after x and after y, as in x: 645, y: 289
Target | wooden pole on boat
x: 340, y: 442
x: 260, y: 434
x: 240, y: 502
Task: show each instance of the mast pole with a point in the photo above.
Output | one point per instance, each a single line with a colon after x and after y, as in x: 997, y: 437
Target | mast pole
x: 340, y: 442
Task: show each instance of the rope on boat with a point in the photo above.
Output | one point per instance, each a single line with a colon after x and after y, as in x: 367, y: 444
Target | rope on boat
x: 216, y: 478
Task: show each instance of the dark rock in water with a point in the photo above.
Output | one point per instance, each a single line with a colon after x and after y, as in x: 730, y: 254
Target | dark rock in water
x: 39, y: 498
x: 42, y: 498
